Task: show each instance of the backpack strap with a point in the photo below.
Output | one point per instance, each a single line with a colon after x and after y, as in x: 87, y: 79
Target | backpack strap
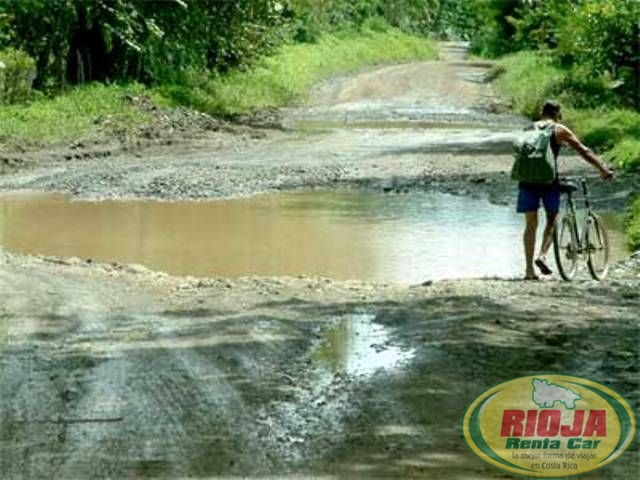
x: 552, y: 124
x: 546, y: 125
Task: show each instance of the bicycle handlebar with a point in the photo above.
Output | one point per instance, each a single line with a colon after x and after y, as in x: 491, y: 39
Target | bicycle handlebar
x: 579, y: 178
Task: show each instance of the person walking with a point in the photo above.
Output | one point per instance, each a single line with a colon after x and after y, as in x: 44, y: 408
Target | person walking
x: 531, y: 194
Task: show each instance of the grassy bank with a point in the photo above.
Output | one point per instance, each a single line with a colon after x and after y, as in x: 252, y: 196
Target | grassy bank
x: 615, y: 132
x: 84, y: 111
x: 288, y: 76
x: 100, y: 111
x: 633, y: 224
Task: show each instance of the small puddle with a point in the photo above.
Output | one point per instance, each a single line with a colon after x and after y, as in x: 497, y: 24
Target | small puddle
x: 344, y: 235
x: 358, y: 346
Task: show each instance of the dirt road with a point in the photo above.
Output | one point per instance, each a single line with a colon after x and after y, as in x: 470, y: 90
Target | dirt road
x: 115, y: 371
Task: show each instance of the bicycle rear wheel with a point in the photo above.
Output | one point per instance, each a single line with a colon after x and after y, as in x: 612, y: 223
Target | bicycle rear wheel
x: 597, y: 245
x: 565, y: 247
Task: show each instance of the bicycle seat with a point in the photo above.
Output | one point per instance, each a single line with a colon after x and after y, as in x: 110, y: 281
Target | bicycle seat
x: 568, y: 187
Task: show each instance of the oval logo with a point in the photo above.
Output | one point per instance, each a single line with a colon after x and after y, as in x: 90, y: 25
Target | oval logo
x: 549, y: 426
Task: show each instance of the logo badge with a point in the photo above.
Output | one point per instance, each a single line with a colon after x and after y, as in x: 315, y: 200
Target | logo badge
x: 549, y: 426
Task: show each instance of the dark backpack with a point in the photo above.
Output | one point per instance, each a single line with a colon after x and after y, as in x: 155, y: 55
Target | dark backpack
x: 534, y: 160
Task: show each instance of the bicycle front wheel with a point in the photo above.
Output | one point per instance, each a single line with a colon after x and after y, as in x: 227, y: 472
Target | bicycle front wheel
x: 597, y: 245
x: 565, y: 247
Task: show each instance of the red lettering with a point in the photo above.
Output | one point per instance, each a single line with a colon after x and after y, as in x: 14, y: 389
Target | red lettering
x: 596, y: 424
x: 549, y: 423
x: 576, y: 429
x: 530, y: 429
x: 512, y: 419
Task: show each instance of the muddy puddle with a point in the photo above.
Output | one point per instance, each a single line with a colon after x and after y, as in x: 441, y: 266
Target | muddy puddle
x: 357, y: 346
x: 407, y: 238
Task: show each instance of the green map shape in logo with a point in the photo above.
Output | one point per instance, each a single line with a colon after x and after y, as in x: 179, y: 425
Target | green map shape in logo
x: 546, y: 394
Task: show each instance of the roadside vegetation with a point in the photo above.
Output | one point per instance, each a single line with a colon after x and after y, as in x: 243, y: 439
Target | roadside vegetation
x: 69, y: 69
x: 288, y: 75
x: 86, y: 111
x: 586, y: 54
x: 96, y: 109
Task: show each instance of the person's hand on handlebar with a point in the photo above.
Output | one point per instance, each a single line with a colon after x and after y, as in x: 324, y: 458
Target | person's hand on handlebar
x: 606, y: 173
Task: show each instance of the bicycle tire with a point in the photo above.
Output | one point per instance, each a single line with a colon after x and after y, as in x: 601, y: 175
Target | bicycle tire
x: 565, y: 247
x: 597, y: 245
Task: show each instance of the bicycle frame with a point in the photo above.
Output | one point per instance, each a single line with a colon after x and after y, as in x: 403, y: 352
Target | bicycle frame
x: 582, y: 244
x: 571, y: 210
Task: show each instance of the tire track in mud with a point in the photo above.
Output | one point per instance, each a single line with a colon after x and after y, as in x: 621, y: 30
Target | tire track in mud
x: 179, y: 416
x: 107, y: 395
x: 40, y: 384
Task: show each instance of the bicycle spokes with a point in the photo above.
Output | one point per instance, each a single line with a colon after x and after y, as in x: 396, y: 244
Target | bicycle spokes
x: 565, y: 247
x: 597, y: 245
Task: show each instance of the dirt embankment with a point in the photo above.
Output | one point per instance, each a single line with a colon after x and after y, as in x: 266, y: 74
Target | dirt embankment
x: 114, y: 371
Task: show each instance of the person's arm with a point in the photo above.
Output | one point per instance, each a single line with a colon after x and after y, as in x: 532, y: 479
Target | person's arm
x: 566, y: 136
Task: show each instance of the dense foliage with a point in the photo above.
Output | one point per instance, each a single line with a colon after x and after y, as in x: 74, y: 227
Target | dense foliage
x: 82, y: 40
x: 597, y: 41
x: 76, y: 41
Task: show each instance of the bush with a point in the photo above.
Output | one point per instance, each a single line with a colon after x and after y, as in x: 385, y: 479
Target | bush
x: 538, y: 24
x: 581, y: 89
x: 17, y: 72
x: 493, y: 26
x: 602, y: 36
x: 375, y: 24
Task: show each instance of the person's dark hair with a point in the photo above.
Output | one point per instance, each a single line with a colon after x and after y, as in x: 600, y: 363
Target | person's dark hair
x: 551, y: 109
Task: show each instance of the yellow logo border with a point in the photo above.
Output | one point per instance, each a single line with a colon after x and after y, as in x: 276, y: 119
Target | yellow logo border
x: 475, y: 441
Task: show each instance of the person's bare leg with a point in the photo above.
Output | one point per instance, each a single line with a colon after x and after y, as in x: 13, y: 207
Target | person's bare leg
x: 547, y: 237
x: 529, y: 239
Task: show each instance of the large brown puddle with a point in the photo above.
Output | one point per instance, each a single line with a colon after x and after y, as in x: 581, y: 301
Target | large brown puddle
x: 344, y: 235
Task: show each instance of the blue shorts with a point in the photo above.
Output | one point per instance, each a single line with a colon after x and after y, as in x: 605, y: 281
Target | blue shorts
x: 529, y: 196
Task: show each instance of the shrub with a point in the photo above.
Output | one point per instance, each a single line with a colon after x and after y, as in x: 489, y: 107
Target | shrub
x: 375, y: 24
x: 581, y: 89
x: 17, y: 72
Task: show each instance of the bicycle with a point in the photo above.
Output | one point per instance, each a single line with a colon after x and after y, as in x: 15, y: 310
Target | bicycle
x: 573, y: 241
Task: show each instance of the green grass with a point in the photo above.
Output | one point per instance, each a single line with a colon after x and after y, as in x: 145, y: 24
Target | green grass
x: 604, y: 129
x: 528, y: 79
x: 86, y: 110
x: 625, y: 154
x: 288, y: 76
x: 633, y: 225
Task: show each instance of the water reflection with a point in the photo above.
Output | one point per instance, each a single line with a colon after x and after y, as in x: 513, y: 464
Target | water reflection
x: 345, y: 235
x: 357, y: 346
